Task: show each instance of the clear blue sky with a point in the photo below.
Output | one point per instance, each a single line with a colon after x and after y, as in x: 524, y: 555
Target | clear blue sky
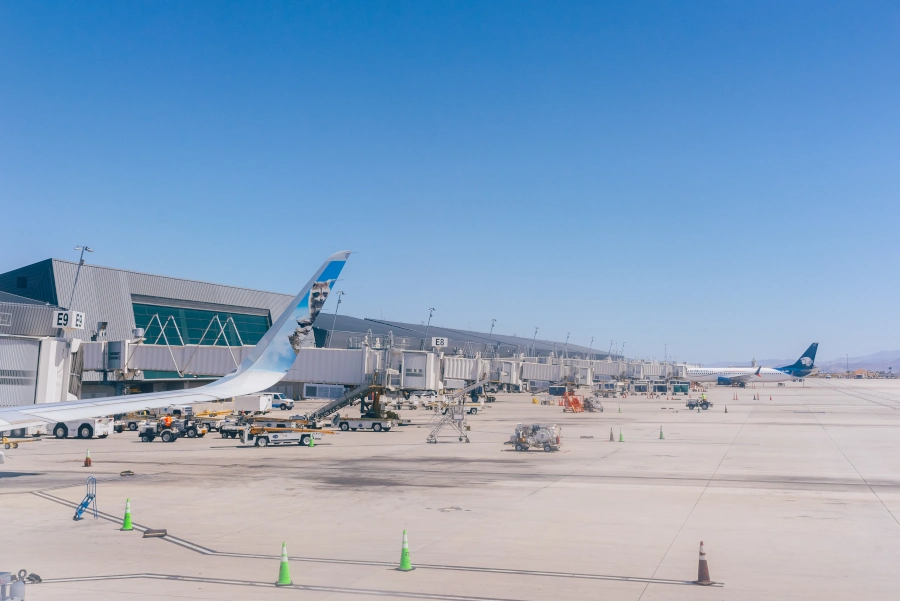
x: 721, y: 177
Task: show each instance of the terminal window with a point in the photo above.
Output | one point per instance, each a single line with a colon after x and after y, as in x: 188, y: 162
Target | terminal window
x: 192, y: 323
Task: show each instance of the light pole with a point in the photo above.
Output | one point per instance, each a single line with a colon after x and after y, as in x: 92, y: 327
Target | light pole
x: 333, y: 321
x: 666, y: 351
x: 430, y: 313
x: 848, y: 364
x: 567, y: 344
x: 491, y: 334
x: 590, y: 350
x: 623, y: 351
x: 533, y: 339
x: 78, y: 272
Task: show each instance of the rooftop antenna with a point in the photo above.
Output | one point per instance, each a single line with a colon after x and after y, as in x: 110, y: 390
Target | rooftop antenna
x: 83, y: 249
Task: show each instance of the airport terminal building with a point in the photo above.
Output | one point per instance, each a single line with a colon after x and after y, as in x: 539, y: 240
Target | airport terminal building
x: 146, y: 333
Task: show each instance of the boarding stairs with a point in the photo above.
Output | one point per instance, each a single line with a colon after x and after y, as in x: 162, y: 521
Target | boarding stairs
x: 372, y: 384
x: 90, y: 499
x: 452, y: 414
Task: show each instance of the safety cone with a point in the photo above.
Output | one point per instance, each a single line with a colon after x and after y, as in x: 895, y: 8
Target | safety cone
x: 703, y: 569
x: 284, y: 570
x: 770, y: 397
x: 726, y: 408
x: 621, y: 438
x: 620, y: 408
x: 405, y: 563
x: 126, y: 523
x: 87, y: 459
x: 312, y: 440
x: 661, y: 437
x: 611, y: 437
x: 698, y: 408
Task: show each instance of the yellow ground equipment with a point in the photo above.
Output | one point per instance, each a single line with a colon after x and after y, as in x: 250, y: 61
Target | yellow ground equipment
x: 14, y: 444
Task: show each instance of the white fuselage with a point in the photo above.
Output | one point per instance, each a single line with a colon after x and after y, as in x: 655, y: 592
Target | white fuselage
x: 747, y: 374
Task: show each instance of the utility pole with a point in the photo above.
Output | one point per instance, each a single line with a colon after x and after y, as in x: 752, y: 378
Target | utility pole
x: 533, y: 339
x: 83, y: 249
x: 333, y: 321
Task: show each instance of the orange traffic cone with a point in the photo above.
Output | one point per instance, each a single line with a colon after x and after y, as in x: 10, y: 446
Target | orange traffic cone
x: 770, y: 397
x: 87, y: 459
x: 703, y: 569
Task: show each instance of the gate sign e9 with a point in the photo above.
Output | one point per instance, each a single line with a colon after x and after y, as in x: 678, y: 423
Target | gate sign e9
x: 438, y: 342
x: 68, y: 320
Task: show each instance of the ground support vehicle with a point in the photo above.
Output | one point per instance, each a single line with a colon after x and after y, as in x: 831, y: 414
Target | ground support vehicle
x: 153, y: 430
x: 231, y: 428
x: 541, y: 436
x: 88, y: 428
x: 572, y: 403
x: 14, y: 444
x: 593, y: 405
x: 376, y: 424
x: 189, y: 428
x: 253, y: 404
x: 470, y: 408
x: 263, y: 437
x: 280, y: 401
x: 694, y: 403
x: 27, y: 432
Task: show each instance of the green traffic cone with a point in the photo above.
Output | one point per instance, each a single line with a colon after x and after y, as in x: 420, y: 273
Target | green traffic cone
x: 312, y: 440
x: 284, y: 570
x: 405, y: 563
x: 620, y: 408
x: 661, y: 437
x: 126, y: 523
x: 621, y: 438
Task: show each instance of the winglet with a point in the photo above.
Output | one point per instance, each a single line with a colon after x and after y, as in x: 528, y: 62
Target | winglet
x: 275, y: 353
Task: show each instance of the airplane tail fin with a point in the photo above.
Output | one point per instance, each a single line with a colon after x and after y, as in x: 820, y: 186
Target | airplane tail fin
x: 808, y: 359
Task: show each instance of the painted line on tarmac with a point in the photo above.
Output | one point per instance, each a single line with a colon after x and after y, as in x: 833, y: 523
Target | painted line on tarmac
x: 257, y: 584
x: 359, y: 562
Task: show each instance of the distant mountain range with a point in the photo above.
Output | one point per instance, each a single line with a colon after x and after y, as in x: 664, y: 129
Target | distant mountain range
x: 879, y: 361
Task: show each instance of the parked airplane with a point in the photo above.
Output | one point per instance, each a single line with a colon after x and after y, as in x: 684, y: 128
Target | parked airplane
x: 727, y: 376
x: 264, y: 366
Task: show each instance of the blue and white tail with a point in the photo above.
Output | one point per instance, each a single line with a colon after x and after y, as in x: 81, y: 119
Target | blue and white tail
x: 806, y: 362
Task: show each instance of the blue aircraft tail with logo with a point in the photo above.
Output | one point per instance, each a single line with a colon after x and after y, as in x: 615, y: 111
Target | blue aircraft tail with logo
x: 805, y: 364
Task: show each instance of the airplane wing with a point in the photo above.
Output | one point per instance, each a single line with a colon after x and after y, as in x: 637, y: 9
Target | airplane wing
x: 746, y: 377
x: 265, y: 366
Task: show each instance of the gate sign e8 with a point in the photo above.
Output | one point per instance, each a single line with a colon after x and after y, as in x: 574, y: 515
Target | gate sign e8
x: 438, y: 342
x: 68, y: 320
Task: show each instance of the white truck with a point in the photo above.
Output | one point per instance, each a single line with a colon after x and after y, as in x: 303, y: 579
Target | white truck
x: 253, y: 404
x: 101, y: 427
x: 364, y: 423
x: 280, y: 401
